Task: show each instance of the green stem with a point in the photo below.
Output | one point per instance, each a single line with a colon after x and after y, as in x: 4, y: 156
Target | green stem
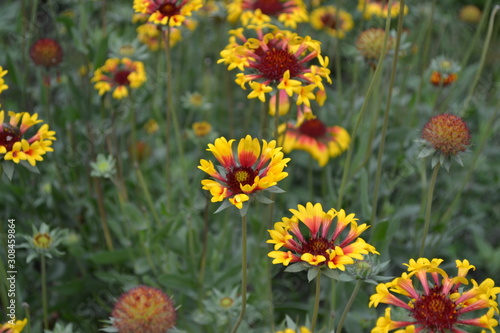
x: 147, y: 195
x: 428, y: 209
x: 277, y: 115
x: 378, y: 173
x: 316, y: 302
x: 102, y: 214
x: 243, y: 273
x: 472, y: 44
x: 44, y: 293
x: 27, y: 316
x: 348, y: 306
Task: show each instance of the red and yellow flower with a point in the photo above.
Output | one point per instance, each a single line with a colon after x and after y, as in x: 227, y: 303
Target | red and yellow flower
x: 119, y: 75
x: 443, y: 71
x: 288, y: 12
x: 255, y: 168
x: 46, y: 52
x: 321, y: 246
x: 167, y: 12
x: 380, y: 8
x: 335, y: 22
x: 17, y: 327
x: 441, y: 304
x: 15, y: 146
x: 3, y: 86
x: 309, y: 133
x: 276, y: 60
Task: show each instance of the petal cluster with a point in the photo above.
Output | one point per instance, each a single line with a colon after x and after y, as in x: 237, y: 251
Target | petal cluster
x: 118, y: 75
x: 16, y: 145
x: 380, y: 8
x: 441, y: 303
x: 324, y: 243
x: 252, y: 169
x: 335, y: 22
x: 167, y: 12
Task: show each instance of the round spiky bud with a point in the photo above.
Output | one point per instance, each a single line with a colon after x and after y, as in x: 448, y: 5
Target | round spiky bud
x: 370, y: 43
x: 46, y: 52
x: 144, y: 309
x: 448, y: 134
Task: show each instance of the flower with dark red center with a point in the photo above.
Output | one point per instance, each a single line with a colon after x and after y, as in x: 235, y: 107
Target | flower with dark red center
x: 335, y: 22
x: 312, y: 135
x: 46, y: 52
x: 167, y: 12
x: 380, y: 8
x: 143, y: 309
x: 442, y: 305
x: 254, y: 169
x: 445, y: 136
x: 323, y: 244
x: 279, y: 60
x: 119, y: 75
x: 288, y: 12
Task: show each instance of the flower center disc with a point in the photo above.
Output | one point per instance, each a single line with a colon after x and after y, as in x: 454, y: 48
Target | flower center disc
x: 317, y: 246
x: 436, y: 312
x: 42, y: 240
x: 313, y: 128
x: 121, y: 78
x: 275, y: 62
x: 329, y: 21
x: 168, y: 9
x: 269, y: 7
x: 240, y: 175
x: 9, y: 135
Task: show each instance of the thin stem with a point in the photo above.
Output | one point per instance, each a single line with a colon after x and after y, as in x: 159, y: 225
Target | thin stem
x: 44, y: 293
x: 316, y: 302
x: 243, y: 273
x: 348, y: 306
x: 277, y: 115
x: 378, y: 173
x: 472, y: 43
x: 102, y: 213
x: 147, y: 194
x: 428, y: 209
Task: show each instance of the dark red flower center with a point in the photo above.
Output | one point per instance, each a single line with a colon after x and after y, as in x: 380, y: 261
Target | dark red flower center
x: 240, y: 175
x: 435, y: 312
x: 275, y: 62
x: 268, y: 7
x: 169, y: 9
x: 121, y: 77
x: 329, y: 21
x: 9, y: 135
x: 313, y: 128
x: 46, y: 52
x: 317, y: 246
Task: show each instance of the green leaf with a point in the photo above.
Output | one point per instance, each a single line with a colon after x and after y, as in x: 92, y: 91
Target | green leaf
x: 312, y: 273
x: 8, y: 169
x: 331, y: 273
x: 296, y: 267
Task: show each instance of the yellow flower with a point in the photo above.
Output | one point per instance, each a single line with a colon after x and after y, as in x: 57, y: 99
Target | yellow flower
x: 201, y: 128
x: 379, y: 8
x: 167, y: 12
x: 256, y: 12
x: 118, y: 75
x: 3, y: 86
x: 335, y: 22
x: 17, y: 327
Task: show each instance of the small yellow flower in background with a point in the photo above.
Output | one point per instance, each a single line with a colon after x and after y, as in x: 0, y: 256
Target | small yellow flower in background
x: 301, y: 329
x: 442, y: 304
x: 335, y: 22
x: 380, y: 8
x: 470, y: 14
x: 14, y: 326
x: 254, y: 169
x: 3, y: 86
x: 370, y: 44
x: 171, y: 12
x: 44, y: 241
x: 118, y: 75
x: 201, y: 128
x: 151, y: 126
x: 143, y: 309
x: 324, y: 245
x: 14, y: 147
x: 309, y: 133
x: 150, y: 34
x: 276, y: 60
x: 288, y: 12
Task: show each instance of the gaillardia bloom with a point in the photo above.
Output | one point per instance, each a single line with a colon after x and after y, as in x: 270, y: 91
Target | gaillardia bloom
x: 320, y: 246
x: 312, y: 135
x: 117, y: 75
x: 14, y: 146
x: 46, y: 52
x: 143, y: 309
x: 44, y: 241
x: 380, y: 8
x: 370, y: 44
x: 167, y: 12
x: 256, y: 168
x: 14, y: 326
x: 442, y: 304
x: 445, y: 136
x: 288, y: 12
x: 335, y: 22
x: 277, y: 59
x: 444, y: 71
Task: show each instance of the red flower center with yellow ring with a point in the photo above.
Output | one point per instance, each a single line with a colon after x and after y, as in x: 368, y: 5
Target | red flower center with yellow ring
x: 169, y: 9
x: 269, y: 7
x: 121, y: 77
x: 313, y: 128
x: 317, y: 246
x: 275, y: 62
x: 9, y: 135
x: 329, y: 21
x: 240, y: 175
x: 435, y: 312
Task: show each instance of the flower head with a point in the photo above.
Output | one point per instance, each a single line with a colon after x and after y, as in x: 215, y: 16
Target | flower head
x: 277, y: 59
x: 445, y: 136
x: 335, y: 22
x: 255, y: 168
x: 444, y: 71
x: 167, y: 12
x: 470, y: 14
x: 46, y: 52
x: 370, y: 44
x: 442, y: 304
x: 380, y: 8
x: 201, y: 128
x: 309, y: 133
x: 16, y: 146
x: 288, y: 12
x: 103, y: 167
x: 322, y: 246
x: 119, y: 75
x: 14, y: 326
x: 44, y: 241
x: 143, y: 309
x: 3, y: 86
